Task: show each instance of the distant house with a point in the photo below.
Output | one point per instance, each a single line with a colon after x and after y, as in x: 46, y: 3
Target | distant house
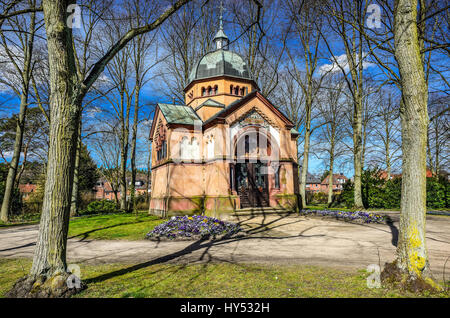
x: 312, y: 183
x: 26, y: 190
x: 104, y: 191
x: 382, y: 174
x: 338, y: 183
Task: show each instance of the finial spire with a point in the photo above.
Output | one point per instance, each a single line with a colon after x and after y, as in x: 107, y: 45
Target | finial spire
x: 221, y: 15
x: 221, y: 39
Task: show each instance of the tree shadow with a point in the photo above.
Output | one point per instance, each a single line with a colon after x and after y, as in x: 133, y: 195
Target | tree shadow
x: 85, y: 235
x: 394, y: 230
x: 205, y: 257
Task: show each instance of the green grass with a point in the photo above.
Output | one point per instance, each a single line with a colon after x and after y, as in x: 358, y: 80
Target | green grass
x: 213, y: 280
x: 118, y: 226
x: 115, y: 226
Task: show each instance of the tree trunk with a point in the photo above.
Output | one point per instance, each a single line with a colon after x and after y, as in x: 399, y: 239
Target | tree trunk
x: 357, y: 152
x: 412, y: 257
x: 123, y: 173
x: 330, y: 181
x: 388, y: 149
x: 306, y: 151
x: 12, y: 172
x: 133, y: 149
x: 50, y: 254
x: 74, y: 207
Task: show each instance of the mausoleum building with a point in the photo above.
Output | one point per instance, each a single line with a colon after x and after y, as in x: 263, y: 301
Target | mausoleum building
x: 227, y: 148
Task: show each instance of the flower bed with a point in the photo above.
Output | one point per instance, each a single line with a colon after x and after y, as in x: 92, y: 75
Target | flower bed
x: 193, y: 228
x: 358, y: 216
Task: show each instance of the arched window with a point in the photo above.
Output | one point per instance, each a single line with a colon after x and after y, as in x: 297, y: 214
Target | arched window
x: 236, y: 90
x: 247, y: 144
x: 184, y: 144
x: 194, y: 148
x: 210, y: 91
x: 242, y: 91
x: 231, y: 89
x: 216, y: 90
x: 203, y: 91
x: 276, y: 176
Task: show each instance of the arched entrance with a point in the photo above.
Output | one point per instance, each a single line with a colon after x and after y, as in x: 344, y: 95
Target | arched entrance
x: 253, y: 153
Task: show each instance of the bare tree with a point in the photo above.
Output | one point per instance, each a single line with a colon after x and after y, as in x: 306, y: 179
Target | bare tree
x: 331, y: 107
x: 20, y: 56
x: 306, y: 23
x: 386, y: 140
x: 67, y: 94
x: 262, y: 44
x: 185, y: 40
x: 346, y: 18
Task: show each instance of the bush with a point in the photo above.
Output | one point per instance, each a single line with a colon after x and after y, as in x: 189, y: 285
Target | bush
x: 347, y: 195
x: 141, y: 202
x: 437, y: 193
x: 100, y: 207
x: 386, y: 194
x: 320, y: 197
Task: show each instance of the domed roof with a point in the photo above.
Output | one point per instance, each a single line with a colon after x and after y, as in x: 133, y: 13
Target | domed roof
x: 220, y: 62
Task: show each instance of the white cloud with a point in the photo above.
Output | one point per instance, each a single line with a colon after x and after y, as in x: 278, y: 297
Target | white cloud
x: 341, y: 61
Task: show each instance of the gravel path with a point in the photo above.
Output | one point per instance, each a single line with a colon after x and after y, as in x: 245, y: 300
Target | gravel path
x: 272, y: 240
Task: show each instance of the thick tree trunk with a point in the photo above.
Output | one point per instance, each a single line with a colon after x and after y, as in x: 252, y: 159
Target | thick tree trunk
x: 412, y: 252
x: 412, y: 257
x: 74, y: 207
x: 50, y: 254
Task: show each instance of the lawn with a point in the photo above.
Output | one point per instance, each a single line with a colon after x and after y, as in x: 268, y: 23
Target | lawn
x: 118, y: 226
x: 212, y: 280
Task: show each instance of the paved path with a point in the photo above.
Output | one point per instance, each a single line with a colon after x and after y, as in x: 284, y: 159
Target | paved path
x: 273, y: 240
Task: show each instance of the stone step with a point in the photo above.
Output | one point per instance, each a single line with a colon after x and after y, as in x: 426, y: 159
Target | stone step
x: 261, y: 211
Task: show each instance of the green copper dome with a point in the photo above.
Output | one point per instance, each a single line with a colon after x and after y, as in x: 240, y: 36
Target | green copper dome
x: 218, y: 63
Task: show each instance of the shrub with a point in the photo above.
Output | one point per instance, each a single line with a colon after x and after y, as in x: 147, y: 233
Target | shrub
x: 386, y: 194
x: 436, y: 193
x: 347, y: 195
x: 320, y: 197
x: 100, y: 207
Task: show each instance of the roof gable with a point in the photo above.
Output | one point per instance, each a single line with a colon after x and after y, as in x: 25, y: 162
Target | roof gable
x: 212, y: 103
x: 240, y: 102
x: 178, y: 114
x: 174, y: 114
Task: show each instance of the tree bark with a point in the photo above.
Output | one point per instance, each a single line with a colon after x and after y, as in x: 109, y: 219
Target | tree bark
x: 133, y: 148
x: 305, y: 161
x: 357, y: 153
x: 75, y: 205
x: 330, y: 181
x: 412, y: 256
x: 50, y: 254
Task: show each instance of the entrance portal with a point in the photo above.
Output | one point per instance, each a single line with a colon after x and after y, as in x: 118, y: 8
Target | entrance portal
x: 252, y: 184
